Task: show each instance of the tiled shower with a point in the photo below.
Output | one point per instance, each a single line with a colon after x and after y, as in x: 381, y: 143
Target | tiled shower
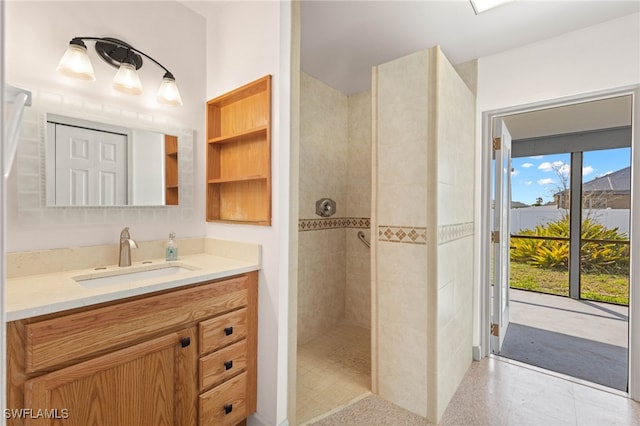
x: 334, y: 278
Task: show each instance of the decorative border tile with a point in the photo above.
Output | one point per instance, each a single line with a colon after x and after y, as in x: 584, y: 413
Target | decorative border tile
x: 447, y: 233
x: 402, y: 234
x: 329, y: 223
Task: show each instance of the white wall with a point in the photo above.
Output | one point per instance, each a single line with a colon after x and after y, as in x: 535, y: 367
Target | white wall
x: 37, y: 34
x: 245, y: 41
x: 593, y: 59
x: 3, y: 337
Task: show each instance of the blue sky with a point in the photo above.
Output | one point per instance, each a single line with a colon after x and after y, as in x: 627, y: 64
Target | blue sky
x: 539, y: 176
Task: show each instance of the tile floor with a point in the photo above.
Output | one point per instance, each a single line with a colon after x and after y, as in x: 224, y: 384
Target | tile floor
x: 333, y: 369
x: 499, y: 392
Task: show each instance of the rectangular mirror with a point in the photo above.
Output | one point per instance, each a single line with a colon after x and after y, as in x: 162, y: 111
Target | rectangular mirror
x: 97, y: 164
x: 157, y: 190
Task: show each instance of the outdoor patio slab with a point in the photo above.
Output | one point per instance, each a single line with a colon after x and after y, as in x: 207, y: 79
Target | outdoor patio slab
x: 601, y: 322
x: 578, y: 338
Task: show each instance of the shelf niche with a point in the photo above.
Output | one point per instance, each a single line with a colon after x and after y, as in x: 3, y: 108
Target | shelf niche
x: 171, y: 194
x: 239, y: 155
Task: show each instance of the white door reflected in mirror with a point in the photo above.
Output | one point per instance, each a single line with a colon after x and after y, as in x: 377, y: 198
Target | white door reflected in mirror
x: 96, y: 164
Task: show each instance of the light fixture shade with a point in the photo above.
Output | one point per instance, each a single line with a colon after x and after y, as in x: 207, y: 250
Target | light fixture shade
x: 127, y: 79
x: 168, y: 92
x: 76, y: 63
x: 480, y: 6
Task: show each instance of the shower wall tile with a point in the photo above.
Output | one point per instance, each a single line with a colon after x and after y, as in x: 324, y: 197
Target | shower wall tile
x: 455, y: 212
x: 358, y: 188
x: 323, y: 145
x: 424, y: 133
x: 403, y: 166
x: 358, y: 183
x: 358, y: 285
x: 402, y: 335
x: 335, y: 162
x: 402, y: 205
x: 321, y: 291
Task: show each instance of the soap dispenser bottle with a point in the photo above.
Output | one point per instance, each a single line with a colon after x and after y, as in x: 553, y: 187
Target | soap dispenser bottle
x: 171, y: 251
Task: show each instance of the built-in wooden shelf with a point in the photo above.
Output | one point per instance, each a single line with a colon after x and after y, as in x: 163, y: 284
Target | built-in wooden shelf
x: 171, y: 190
x: 239, y: 155
x: 238, y: 179
x: 258, y: 131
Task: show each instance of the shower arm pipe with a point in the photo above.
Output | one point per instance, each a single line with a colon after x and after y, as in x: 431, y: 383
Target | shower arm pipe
x: 20, y: 99
x: 362, y: 238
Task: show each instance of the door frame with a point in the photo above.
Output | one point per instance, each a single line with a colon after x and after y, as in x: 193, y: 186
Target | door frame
x: 484, y: 245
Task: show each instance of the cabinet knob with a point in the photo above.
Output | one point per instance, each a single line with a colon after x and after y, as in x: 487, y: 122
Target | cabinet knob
x: 228, y: 331
x: 185, y: 341
x: 228, y: 365
x: 228, y: 408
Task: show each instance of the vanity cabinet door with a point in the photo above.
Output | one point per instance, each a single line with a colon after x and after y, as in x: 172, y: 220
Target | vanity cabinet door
x: 151, y: 383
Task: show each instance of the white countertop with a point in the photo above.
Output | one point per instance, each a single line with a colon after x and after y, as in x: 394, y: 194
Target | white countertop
x: 34, y: 295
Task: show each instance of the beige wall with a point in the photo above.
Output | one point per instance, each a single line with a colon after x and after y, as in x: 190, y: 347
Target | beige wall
x: 335, y: 162
x: 423, y: 211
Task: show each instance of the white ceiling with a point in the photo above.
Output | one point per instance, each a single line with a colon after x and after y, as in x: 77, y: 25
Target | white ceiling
x: 342, y: 40
x: 585, y: 116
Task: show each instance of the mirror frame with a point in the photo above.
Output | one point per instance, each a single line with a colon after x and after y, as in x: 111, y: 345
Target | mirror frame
x: 30, y: 167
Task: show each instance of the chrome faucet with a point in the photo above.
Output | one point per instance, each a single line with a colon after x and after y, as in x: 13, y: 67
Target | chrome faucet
x: 126, y: 244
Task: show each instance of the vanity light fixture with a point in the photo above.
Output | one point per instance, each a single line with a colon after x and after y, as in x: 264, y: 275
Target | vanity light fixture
x: 76, y: 63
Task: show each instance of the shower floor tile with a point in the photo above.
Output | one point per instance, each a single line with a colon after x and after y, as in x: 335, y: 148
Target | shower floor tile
x: 333, y: 369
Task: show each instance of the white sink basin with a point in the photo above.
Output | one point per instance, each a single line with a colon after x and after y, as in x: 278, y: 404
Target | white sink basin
x: 119, y: 277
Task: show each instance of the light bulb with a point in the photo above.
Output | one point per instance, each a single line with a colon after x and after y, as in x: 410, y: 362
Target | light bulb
x: 76, y: 63
x: 168, y: 92
x: 127, y: 79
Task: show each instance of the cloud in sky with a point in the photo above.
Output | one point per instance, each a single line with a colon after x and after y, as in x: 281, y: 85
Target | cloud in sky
x: 546, y: 166
x: 536, y: 157
x: 587, y: 170
x: 545, y: 181
x: 556, y: 165
x: 527, y: 165
x: 560, y: 167
x: 528, y: 183
x: 515, y: 172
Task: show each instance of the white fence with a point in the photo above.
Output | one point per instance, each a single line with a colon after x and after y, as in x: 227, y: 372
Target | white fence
x: 529, y: 217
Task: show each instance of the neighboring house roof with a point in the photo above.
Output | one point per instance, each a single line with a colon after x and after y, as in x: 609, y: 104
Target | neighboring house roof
x: 619, y: 181
x: 518, y: 205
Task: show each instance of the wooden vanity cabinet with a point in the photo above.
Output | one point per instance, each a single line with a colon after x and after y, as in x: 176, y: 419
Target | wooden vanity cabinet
x: 181, y: 357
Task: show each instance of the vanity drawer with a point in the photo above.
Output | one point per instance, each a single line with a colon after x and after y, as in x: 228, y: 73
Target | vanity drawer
x: 69, y: 338
x: 220, y: 365
x: 221, y: 331
x: 225, y: 404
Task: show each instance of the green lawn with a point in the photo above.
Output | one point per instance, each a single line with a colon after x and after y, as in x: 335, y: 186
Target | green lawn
x: 599, y: 287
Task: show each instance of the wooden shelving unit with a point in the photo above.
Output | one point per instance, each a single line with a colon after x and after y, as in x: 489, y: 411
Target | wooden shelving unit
x: 171, y: 170
x: 239, y: 155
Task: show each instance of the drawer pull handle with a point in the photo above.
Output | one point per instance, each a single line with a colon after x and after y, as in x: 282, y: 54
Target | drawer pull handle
x: 228, y: 331
x: 228, y: 365
x: 185, y: 341
x: 228, y: 408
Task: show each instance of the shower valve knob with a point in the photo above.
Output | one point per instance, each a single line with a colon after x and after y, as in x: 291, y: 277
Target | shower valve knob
x: 325, y: 207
